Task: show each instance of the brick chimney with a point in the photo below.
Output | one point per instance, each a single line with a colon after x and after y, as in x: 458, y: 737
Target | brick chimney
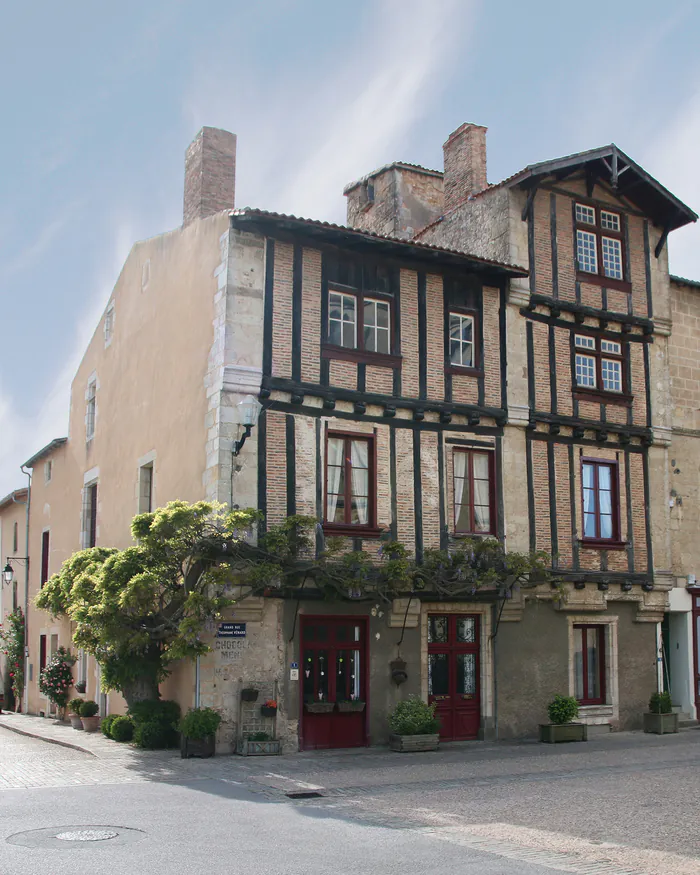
x: 465, y: 164
x: 210, y: 174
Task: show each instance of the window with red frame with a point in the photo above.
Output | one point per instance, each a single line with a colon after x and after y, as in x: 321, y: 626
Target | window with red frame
x: 601, y: 513
x: 599, y: 245
x: 350, y: 481
x: 589, y: 664
x: 45, y: 540
x: 474, y: 491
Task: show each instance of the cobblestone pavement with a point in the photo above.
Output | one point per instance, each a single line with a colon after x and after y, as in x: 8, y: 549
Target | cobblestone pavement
x: 622, y: 803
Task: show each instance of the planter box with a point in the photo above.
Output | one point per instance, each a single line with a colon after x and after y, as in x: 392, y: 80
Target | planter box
x: 91, y: 724
x: 249, y: 695
x: 267, y: 712
x: 197, y: 747
x: 346, y: 707
x: 558, y: 733
x: 320, y: 707
x: 406, y: 743
x: 660, y: 724
x: 76, y: 722
x: 258, y: 748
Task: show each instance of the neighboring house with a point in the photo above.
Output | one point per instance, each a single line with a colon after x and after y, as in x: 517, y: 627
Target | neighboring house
x: 13, y: 549
x: 413, y: 381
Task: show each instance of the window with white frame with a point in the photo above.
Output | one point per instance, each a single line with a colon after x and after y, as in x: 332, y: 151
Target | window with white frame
x: 146, y: 488
x: 90, y: 410
x: 599, y: 242
x: 342, y: 320
x: 48, y: 471
x: 359, y: 322
x: 462, y: 340
x: 376, y: 325
x: 598, y: 363
x: 109, y: 324
x: 89, y: 515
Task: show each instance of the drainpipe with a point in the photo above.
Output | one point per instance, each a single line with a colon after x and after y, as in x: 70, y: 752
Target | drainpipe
x: 494, y: 638
x: 196, y: 683
x: 25, y: 705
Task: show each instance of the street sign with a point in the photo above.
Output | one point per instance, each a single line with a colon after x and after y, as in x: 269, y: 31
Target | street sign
x: 231, y: 630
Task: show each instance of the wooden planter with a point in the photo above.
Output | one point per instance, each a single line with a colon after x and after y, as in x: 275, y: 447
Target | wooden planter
x: 258, y: 748
x: 266, y: 711
x: 407, y: 743
x: 348, y: 707
x: 249, y: 695
x: 320, y: 707
x: 660, y: 724
x: 558, y: 733
x: 197, y: 747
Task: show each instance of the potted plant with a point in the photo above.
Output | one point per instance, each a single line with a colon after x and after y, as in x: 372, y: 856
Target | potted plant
x: 414, y: 726
x: 258, y: 744
x: 319, y: 707
x: 74, y: 708
x: 660, y: 718
x: 88, y: 713
x: 563, y: 710
x: 269, y: 709
x: 198, y: 732
x: 351, y: 705
x: 80, y: 687
x: 249, y: 694
x: 56, y: 679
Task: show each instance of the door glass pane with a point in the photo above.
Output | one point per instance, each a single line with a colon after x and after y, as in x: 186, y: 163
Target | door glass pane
x: 603, y: 477
x: 437, y: 630
x: 578, y: 664
x: 438, y: 674
x: 593, y: 664
x: 466, y: 629
x: 347, y: 675
x: 606, y: 527
x: 466, y: 674
x: 588, y: 476
x: 589, y: 525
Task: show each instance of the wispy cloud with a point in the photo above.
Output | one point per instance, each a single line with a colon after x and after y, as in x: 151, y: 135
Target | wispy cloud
x: 36, y: 248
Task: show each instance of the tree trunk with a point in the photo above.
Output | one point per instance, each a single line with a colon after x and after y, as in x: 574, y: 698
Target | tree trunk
x: 141, y: 689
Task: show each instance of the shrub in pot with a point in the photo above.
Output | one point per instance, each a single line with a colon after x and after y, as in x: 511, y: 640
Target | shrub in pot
x: 660, y: 719
x: 414, y: 726
x: 88, y: 714
x: 198, y: 732
x: 562, y: 711
x: 155, y: 723
x: 122, y: 728
x: 106, y: 725
x: 74, y: 713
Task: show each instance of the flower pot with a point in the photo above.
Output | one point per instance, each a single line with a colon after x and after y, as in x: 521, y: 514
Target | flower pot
x: 557, y: 733
x: 320, y: 707
x: 80, y: 687
x: 258, y: 748
x: 351, y: 707
x: 267, y: 711
x: 197, y: 747
x: 249, y: 695
x: 76, y: 721
x: 414, y: 743
x: 91, y: 724
x: 660, y: 724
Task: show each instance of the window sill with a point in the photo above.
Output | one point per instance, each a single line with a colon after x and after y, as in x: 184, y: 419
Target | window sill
x: 467, y: 372
x: 581, y: 393
x: 350, y: 531
x: 595, y: 279
x: 601, y: 544
x: 460, y: 535
x: 361, y: 356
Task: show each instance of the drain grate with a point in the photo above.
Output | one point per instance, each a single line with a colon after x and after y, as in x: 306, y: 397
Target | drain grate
x: 78, y: 836
x: 86, y: 835
x: 304, y: 794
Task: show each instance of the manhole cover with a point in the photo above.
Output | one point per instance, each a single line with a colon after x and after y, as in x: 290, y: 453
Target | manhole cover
x: 86, y: 835
x: 76, y: 836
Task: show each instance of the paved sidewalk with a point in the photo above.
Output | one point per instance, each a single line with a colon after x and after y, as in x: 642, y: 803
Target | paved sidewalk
x: 55, y: 732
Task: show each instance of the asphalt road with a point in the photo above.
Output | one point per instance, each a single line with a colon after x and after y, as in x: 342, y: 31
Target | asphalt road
x: 624, y: 805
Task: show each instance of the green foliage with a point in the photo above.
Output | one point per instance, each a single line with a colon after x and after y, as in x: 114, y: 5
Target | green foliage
x: 56, y: 679
x: 12, y: 644
x: 122, y: 729
x: 106, y: 725
x: 89, y: 708
x: 661, y: 703
x: 155, y: 723
x: 155, y: 736
x: 413, y: 716
x: 259, y: 736
x: 562, y: 709
x: 74, y: 705
x: 200, y: 723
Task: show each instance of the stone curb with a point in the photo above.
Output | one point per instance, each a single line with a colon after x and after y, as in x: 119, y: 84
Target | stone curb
x: 46, y: 738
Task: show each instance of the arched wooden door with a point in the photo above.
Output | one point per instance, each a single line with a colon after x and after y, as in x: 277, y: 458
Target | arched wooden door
x: 453, y: 674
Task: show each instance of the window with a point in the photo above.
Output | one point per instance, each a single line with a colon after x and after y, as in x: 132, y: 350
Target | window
x: 109, y: 324
x: 473, y: 491
x: 48, y: 471
x: 91, y: 410
x: 15, y: 537
x: 600, y: 501
x: 599, y: 247
x: 146, y: 488
x: 42, y: 652
x: 350, y: 487
x: 462, y: 340
x: 45, y: 539
x: 598, y: 363
x: 589, y: 664
x: 90, y: 515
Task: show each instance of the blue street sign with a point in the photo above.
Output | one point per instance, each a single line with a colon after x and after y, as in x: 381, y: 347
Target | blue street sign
x: 231, y: 630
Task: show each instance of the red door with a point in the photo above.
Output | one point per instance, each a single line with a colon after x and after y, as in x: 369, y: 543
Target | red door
x: 453, y: 674
x: 334, y: 682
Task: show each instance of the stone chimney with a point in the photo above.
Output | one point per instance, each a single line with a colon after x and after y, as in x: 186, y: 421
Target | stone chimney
x: 465, y: 164
x: 210, y: 174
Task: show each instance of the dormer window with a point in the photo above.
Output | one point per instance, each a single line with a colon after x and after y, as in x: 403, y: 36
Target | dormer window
x: 599, y: 245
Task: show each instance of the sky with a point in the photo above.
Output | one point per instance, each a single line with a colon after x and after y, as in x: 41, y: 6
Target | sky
x: 99, y: 102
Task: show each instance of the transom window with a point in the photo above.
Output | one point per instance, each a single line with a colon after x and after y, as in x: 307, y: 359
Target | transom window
x: 589, y: 664
x: 598, y: 363
x: 462, y: 340
x: 599, y: 246
x: 473, y: 491
x: 600, y: 500
x: 350, y: 488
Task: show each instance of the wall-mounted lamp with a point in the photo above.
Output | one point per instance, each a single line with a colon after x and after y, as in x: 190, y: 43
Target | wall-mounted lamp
x: 8, y: 573
x: 248, y: 412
